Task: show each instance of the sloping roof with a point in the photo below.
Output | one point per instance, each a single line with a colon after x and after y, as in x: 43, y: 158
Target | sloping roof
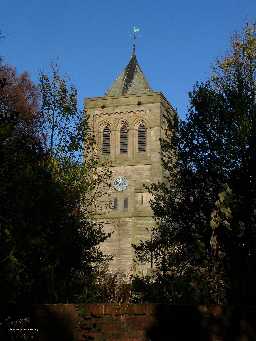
x: 130, y: 81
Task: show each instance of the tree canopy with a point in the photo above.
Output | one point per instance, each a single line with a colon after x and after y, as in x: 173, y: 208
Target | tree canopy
x: 49, y: 245
x: 203, y: 244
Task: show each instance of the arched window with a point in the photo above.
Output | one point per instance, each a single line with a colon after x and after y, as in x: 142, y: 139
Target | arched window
x: 142, y: 138
x: 106, y: 140
x: 124, y: 139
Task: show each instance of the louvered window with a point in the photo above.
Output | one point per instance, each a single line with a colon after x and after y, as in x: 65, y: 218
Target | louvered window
x: 124, y: 139
x: 142, y: 138
x: 106, y: 141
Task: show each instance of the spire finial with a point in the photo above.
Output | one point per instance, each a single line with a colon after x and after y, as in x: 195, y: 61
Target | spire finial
x: 135, y: 30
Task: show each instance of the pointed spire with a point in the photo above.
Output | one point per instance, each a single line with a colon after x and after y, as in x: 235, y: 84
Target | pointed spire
x: 131, y: 80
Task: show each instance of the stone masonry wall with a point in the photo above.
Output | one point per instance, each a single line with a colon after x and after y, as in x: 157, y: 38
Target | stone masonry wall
x: 133, y: 223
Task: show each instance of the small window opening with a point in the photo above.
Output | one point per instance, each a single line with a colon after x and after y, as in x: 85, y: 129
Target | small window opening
x: 106, y: 141
x: 126, y: 203
x: 124, y: 139
x: 142, y: 133
x: 114, y: 204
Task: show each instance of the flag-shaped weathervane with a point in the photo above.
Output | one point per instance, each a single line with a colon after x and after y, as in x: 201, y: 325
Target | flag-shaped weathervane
x: 135, y: 30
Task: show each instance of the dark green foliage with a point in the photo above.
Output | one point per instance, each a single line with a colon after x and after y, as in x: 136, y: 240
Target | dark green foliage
x: 203, y: 245
x: 48, y: 244
x: 43, y: 243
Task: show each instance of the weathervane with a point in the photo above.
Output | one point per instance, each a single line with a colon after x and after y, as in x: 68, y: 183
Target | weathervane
x: 135, y: 30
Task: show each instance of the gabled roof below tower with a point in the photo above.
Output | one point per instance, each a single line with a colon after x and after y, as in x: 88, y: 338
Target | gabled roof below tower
x: 130, y: 81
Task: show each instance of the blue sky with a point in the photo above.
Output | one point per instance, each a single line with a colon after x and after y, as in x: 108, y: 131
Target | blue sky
x: 91, y: 40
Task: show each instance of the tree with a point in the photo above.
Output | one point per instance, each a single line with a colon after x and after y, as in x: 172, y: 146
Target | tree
x: 19, y: 96
x: 75, y: 166
x: 61, y: 117
x: 204, y: 235
x: 49, y: 245
x: 69, y: 141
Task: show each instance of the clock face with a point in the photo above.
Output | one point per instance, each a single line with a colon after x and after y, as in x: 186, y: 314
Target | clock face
x: 120, y: 183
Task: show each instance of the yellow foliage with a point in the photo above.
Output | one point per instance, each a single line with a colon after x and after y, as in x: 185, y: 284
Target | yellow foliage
x: 243, y: 49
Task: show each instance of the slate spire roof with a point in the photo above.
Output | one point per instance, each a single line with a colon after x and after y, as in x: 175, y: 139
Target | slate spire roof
x: 130, y: 81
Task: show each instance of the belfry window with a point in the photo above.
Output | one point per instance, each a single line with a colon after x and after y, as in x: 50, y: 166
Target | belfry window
x: 124, y: 139
x: 142, y: 138
x: 106, y: 140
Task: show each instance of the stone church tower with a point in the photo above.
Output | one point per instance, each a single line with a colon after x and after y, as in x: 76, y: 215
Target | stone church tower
x: 128, y: 123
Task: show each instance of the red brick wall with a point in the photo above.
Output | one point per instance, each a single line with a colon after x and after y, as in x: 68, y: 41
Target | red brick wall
x: 95, y: 322
x: 115, y: 322
x: 141, y: 322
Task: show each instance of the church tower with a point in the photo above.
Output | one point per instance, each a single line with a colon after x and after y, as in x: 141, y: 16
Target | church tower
x: 128, y: 123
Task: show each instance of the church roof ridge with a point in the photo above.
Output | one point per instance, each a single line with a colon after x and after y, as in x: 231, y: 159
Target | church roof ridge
x: 130, y: 81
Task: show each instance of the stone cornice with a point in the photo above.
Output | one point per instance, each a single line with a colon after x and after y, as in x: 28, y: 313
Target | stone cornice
x: 105, y: 113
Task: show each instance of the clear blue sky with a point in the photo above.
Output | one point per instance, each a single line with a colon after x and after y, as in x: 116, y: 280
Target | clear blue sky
x: 91, y: 40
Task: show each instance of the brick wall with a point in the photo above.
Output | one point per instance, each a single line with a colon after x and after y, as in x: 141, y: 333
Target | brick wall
x: 140, y: 322
x: 95, y: 322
